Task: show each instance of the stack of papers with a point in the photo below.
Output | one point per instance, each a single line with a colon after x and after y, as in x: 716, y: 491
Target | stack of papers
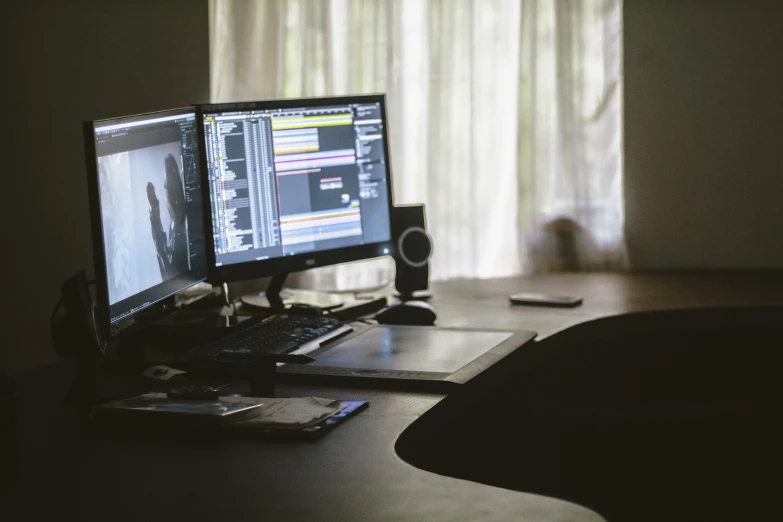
x: 149, y: 405
x: 245, y: 412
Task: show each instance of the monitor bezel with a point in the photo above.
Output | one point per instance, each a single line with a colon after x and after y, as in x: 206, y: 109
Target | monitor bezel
x: 299, y: 262
x: 129, y: 323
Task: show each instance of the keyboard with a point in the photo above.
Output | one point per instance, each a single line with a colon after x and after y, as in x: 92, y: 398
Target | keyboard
x: 276, y: 334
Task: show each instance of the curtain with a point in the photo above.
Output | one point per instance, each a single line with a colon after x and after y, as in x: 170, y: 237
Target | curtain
x: 504, y: 115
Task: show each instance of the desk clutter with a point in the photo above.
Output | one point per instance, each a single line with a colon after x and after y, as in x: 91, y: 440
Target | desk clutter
x: 309, y: 207
x: 309, y: 417
x: 318, y: 194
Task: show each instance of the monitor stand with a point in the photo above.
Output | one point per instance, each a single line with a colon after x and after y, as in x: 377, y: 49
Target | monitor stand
x: 276, y: 297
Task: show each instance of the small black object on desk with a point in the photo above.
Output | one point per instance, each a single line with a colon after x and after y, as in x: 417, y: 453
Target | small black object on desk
x: 536, y: 299
x: 414, y: 312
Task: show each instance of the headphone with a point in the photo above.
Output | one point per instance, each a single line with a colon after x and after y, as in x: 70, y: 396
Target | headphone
x: 76, y: 332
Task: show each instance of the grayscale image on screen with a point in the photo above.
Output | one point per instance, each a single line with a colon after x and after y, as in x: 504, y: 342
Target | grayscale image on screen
x: 145, y: 225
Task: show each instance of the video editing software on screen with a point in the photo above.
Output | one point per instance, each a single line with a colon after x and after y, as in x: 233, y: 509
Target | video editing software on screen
x: 290, y: 181
x: 151, y: 209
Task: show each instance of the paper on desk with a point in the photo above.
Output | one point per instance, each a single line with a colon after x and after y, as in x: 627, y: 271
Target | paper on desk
x: 297, y: 412
x: 161, y: 372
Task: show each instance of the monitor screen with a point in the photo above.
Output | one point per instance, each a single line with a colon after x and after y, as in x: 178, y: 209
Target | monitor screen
x: 295, y: 184
x: 147, y: 215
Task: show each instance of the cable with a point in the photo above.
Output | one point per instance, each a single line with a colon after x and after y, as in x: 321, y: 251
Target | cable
x: 60, y: 302
x: 228, y: 300
x: 56, y: 308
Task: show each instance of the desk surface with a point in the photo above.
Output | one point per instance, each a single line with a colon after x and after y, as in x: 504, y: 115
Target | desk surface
x: 353, y: 473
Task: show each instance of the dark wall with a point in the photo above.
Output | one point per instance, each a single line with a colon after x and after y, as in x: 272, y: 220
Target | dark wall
x: 704, y: 133
x: 70, y: 62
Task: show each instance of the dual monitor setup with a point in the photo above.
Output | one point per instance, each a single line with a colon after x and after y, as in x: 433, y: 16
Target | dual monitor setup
x: 238, y: 191
x: 231, y: 192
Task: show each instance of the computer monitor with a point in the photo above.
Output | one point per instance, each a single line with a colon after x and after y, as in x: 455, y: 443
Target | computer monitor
x: 295, y: 184
x: 146, y: 211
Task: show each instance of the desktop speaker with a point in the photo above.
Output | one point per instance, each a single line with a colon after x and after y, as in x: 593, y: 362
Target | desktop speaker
x: 412, y: 252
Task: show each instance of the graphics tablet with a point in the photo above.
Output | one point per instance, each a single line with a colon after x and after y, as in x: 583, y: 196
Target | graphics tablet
x: 425, y: 354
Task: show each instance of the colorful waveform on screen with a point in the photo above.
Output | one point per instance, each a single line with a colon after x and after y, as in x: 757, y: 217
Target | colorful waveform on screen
x: 315, y: 160
x: 317, y: 226
x: 294, y: 141
x: 297, y: 147
x: 302, y: 122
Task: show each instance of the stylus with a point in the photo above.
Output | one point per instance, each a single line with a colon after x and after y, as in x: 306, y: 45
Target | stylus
x: 289, y: 358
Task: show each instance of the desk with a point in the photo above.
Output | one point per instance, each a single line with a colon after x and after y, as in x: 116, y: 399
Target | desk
x: 353, y: 473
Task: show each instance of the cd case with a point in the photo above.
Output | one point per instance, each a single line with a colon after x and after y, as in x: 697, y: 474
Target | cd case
x: 310, y: 431
x: 159, y: 405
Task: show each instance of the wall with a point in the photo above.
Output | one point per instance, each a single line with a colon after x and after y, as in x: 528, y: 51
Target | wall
x: 704, y: 133
x: 70, y: 62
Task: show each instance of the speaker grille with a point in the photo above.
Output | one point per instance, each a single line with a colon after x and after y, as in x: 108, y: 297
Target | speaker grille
x: 415, y: 246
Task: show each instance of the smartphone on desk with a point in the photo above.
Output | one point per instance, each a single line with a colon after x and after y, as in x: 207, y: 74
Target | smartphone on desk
x: 534, y: 299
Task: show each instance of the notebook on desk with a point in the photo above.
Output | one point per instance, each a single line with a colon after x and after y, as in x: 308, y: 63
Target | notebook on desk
x: 426, y: 355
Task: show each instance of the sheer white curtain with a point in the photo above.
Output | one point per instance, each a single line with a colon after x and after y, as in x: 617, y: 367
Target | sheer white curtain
x: 504, y: 115
x: 570, y: 135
